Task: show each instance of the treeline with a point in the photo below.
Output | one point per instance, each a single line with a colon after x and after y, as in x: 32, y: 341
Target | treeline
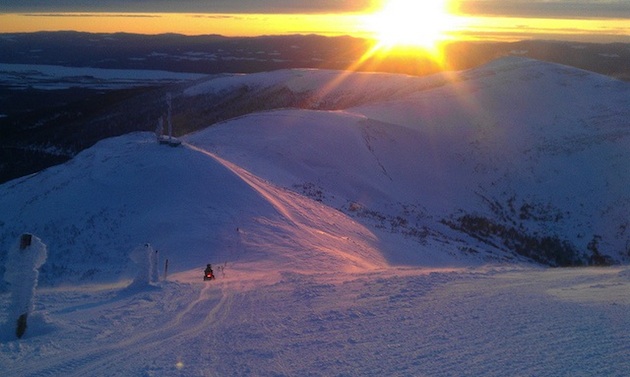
x: 546, y: 249
x: 214, y: 54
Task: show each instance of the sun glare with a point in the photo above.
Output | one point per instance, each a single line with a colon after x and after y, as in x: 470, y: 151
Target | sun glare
x: 413, y: 23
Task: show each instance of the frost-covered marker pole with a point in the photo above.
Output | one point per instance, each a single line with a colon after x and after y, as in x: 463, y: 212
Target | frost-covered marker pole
x: 169, y: 140
x: 154, y: 260
x: 22, y: 271
x: 145, y: 258
x: 169, y: 115
x: 159, y: 130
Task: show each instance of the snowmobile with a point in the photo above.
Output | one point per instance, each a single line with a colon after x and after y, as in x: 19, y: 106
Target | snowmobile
x: 208, y: 274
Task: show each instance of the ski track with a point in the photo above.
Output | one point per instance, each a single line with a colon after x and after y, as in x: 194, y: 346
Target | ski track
x: 114, y: 358
x: 287, y: 205
x: 393, y: 322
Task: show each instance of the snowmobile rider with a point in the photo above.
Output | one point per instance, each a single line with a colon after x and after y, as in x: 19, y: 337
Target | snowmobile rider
x: 208, y: 270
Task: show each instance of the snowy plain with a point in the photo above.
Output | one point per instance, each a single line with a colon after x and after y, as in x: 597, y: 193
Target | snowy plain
x: 324, y: 228
x: 54, y: 77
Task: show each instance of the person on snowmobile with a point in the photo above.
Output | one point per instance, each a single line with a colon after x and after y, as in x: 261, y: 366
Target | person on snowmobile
x: 208, y: 273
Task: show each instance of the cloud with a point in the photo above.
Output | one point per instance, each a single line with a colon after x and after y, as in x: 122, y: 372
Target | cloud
x: 95, y: 15
x: 577, y: 9
x: 188, y: 6
x: 558, y: 9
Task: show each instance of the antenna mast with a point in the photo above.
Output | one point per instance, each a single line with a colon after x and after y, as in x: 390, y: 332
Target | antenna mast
x: 168, y: 119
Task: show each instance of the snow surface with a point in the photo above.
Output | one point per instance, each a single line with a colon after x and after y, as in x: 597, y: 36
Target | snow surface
x: 395, y: 322
x: 325, y: 231
x: 513, y: 135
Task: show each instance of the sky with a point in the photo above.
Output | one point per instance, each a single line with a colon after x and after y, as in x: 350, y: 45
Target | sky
x: 595, y: 20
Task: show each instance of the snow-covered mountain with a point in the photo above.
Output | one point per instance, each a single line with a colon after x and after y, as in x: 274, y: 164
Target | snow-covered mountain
x: 522, y: 155
x: 515, y: 159
x: 376, y: 233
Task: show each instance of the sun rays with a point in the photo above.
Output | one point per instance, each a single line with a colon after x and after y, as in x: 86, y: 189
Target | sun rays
x: 411, y: 23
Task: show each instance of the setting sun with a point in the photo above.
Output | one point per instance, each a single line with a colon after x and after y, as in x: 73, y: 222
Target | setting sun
x: 411, y: 23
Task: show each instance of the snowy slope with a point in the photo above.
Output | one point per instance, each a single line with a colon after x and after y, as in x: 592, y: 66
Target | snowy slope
x: 187, y: 203
x: 515, y: 146
x: 337, y: 235
x: 546, y: 144
x: 509, y: 148
x: 324, y: 88
x: 409, y: 322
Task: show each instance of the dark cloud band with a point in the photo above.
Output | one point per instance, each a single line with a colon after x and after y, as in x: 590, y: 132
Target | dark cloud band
x: 187, y: 6
x: 547, y: 9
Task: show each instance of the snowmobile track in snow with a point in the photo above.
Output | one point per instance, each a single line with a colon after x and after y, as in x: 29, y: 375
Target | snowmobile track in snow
x: 210, y: 307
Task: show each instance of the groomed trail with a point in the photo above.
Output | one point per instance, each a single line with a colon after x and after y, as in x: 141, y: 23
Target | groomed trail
x: 490, y: 321
x: 313, y: 222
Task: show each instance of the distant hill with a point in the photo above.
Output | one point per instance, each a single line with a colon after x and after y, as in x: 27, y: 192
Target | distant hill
x: 46, y: 117
x: 517, y: 160
x: 215, y: 54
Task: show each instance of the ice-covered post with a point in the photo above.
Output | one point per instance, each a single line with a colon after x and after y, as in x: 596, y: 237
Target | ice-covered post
x: 155, y: 275
x: 145, y: 258
x: 21, y: 272
x: 169, y: 109
x: 159, y: 131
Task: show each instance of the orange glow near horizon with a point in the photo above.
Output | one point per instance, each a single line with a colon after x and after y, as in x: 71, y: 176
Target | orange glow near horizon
x: 378, y: 25
x: 230, y: 25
